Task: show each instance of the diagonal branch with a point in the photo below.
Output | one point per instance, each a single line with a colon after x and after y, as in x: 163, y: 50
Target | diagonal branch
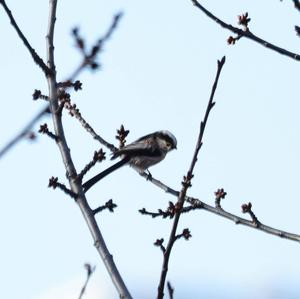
x: 246, y: 33
x: 239, y: 220
x: 221, y: 212
x: 89, y: 58
x: 24, y: 131
x: 185, y: 185
x: 75, y: 112
x: 37, y: 59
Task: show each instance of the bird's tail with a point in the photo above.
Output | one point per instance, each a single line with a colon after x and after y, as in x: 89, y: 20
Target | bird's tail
x: 87, y: 185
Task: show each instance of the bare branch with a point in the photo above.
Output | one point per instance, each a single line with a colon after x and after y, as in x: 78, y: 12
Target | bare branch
x: 169, y: 212
x: 24, y: 131
x: 87, y: 212
x: 37, y: 59
x: 198, y: 204
x: 220, y: 194
x: 247, y: 208
x: 89, y: 57
x: 239, y: 220
x: 74, y: 111
x: 246, y: 33
x: 109, y: 205
x: 185, y: 185
x: 89, y: 271
x: 44, y: 130
x: 99, y: 156
x: 37, y: 94
x: 159, y: 243
x: 72, y: 77
x: 54, y: 183
x: 170, y: 290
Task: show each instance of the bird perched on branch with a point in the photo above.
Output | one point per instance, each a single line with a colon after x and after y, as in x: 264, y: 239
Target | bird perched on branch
x: 140, y: 154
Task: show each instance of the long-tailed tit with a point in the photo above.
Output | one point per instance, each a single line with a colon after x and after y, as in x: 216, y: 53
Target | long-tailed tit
x: 140, y: 154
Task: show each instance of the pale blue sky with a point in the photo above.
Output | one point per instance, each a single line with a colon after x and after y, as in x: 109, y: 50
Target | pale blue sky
x: 157, y: 73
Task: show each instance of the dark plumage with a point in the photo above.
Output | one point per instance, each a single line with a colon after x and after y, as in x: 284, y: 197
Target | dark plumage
x: 140, y: 154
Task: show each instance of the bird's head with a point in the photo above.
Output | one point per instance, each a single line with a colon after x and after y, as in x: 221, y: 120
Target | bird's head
x: 167, y: 140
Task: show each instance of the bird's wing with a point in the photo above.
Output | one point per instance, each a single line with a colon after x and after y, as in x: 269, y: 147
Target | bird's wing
x: 139, y: 148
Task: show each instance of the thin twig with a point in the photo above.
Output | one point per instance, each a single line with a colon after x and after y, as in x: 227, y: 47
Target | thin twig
x: 185, y: 185
x: 37, y: 59
x: 54, y: 183
x: 247, y: 208
x: 99, y: 156
x: 24, y: 131
x: 246, y: 33
x: 89, y: 58
x: 170, y: 290
x: 44, y: 130
x: 109, y: 205
x: 89, y: 271
x: 220, y: 194
x: 75, y: 112
x: 168, y: 213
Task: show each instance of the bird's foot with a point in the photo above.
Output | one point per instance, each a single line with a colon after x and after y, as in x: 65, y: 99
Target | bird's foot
x: 149, y: 176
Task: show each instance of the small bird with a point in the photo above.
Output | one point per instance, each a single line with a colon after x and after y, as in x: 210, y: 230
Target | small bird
x: 140, y: 154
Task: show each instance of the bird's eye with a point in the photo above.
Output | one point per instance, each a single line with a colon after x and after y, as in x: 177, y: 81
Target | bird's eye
x: 168, y: 144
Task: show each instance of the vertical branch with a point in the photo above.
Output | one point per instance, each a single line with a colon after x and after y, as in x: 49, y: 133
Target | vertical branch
x: 185, y: 185
x: 71, y: 171
x: 50, y: 36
